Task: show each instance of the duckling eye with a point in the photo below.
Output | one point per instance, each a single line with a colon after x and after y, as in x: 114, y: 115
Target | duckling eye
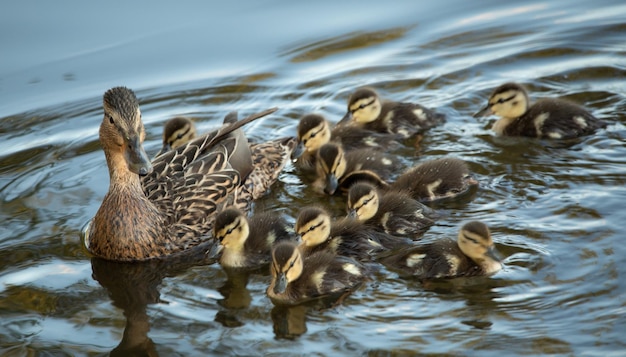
x: 229, y: 231
x: 292, y: 263
x: 363, y: 106
x: 501, y: 100
x: 312, y: 135
x: 472, y: 240
x: 180, y: 135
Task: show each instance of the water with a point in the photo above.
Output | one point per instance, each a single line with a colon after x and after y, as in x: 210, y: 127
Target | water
x: 555, y: 209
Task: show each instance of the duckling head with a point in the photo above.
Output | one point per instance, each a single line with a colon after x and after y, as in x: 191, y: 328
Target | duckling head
x: 287, y: 265
x: 364, y: 106
x: 363, y: 201
x: 231, y: 229
x: 331, y: 165
x: 122, y: 133
x: 313, y: 132
x: 475, y: 241
x: 508, y: 101
x: 313, y: 226
x: 176, y: 132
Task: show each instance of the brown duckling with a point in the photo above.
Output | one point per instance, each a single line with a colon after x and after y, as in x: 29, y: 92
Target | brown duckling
x: 472, y: 254
x: 297, y: 278
x: 247, y: 242
x: 393, y: 212
x: 435, y: 179
x: 176, y: 132
x: 547, y: 118
x: 314, y: 131
x: 405, y: 119
x: 344, y: 236
x: 335, y: 166
x: 171, y: 208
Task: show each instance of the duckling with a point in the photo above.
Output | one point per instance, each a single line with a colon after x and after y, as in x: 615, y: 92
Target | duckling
x: 335, y: 166
x: 297, y: 278
x: 406, y: 119
x: 176, y: 132
x: 347, y: 237
x: 435, y: 179
x: 393, y: 212
x: 472, y: 254
x: 247, y: 242
x: 546, y: 118
x: 155, y: 209
x: 314, y: 131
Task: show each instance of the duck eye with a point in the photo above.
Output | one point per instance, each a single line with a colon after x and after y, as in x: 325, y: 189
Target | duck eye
x: 111, y: 119
x: 501, y: 100
x: 312, y: 135
x: 179, y: 135
x: 292, y: 263
x: 229, y: 231
x: 362, y: 106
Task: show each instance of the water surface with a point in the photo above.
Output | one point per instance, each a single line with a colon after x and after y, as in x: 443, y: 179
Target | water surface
x: 555, y: 209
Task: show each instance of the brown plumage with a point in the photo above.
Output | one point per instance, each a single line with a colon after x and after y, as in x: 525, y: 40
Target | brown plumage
x: 547, y: 118
x: 366, y: 108
x: 171, y: 208
x: 472, y: 254
x: 297, y: 279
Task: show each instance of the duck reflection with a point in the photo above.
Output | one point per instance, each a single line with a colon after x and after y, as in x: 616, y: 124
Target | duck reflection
x: 134, y: 286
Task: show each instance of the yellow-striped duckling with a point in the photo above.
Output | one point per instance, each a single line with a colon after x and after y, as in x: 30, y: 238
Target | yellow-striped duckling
x: 472, y: 254
x: 547, y: 118
x: 154, y: 209
x: 436, y: 179
x: 335, y: 166
x: 297, y: 278
x: 344, y: 236
x: 247, y: 242
x: 176, y: 132
x: 393, y: 212
x: 314, y: 131
x: 366, y: 108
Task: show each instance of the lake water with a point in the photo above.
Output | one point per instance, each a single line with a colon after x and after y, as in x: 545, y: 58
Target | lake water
x: 556, y: 210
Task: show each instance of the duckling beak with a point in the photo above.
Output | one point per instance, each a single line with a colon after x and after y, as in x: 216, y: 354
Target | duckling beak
x: 215, y: 250
x: 352, y: 214
x: 331, y: 184
x: 298, y: 239
x: 281, y: 283
x: 483, y: 112
x: 346, y: 118
x: 166, y: 147
x: 136, y: 157
x: 494, y: 254
x: 298, y: 151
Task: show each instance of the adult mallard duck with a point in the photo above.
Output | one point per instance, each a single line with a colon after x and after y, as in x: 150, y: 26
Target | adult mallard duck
x: 472, y: 254
x: 297, y: 278
x: 393, y: 212
x: 406, y: 119
x: 314, y: 131
x: 549, y: 118
x: 247, y: 242
x: 167, y: 206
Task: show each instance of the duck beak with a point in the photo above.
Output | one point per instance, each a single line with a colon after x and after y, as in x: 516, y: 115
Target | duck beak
x: 352, y: 214
x: 137, y: 159
x: 331, y: 184
x: 493, y: 254
x: 166, y: 147
x: 298, y: 151
x: 215, y: 250
x: 281, y: 283
x: 483, y: 112
x: 346, y: 118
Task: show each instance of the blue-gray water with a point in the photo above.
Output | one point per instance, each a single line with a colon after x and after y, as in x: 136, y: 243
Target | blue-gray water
x: 556, y: 210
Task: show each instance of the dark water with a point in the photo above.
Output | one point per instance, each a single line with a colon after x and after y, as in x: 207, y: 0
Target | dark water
x: 556, y: 210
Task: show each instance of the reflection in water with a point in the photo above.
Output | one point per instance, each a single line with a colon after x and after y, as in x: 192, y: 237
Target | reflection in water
x: 134, y: 286
x: 289, y: 321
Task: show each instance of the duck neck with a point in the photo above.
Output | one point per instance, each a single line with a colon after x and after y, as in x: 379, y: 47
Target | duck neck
x: 128, y: 225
